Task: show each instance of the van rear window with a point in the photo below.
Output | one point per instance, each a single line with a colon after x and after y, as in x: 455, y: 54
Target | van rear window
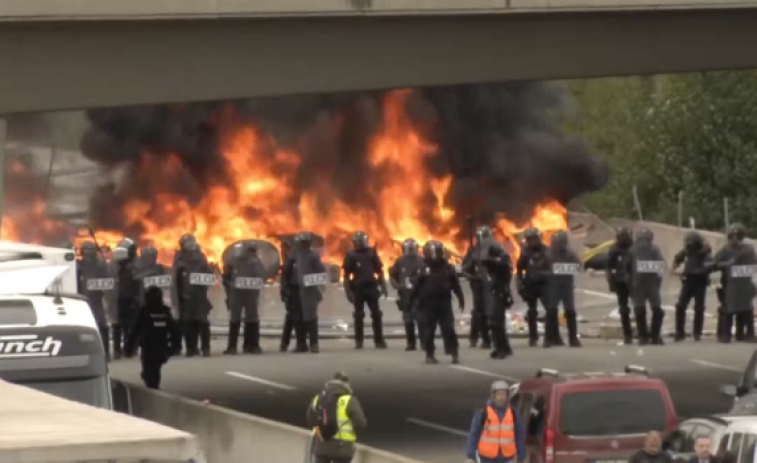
x: 614, y: 412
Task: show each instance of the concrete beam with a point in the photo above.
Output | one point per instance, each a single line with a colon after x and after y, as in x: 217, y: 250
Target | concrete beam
x: 67, y: 10
x: 65, y: 65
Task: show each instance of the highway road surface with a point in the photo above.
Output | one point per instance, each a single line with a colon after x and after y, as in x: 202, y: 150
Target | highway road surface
x: 423, y: 411
x: 593, y: 301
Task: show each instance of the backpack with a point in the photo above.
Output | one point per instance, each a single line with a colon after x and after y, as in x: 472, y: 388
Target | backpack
x: 326, y: 409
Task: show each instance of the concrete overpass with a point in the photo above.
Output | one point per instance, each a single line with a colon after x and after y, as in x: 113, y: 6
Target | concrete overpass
x: 86, y: 53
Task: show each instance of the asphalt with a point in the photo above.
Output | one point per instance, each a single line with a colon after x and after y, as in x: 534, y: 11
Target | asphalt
x: 594, y: 303
x: 423, y: 411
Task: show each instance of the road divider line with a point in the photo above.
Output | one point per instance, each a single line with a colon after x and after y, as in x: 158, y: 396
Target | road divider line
x: 437, y: 427
x: 591, y: 292
x: 255, y: 379
x: 719, y: 366
x: 484, y: 373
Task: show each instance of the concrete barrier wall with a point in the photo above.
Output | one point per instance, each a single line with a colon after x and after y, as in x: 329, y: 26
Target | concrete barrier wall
x: 668, y: 237
x: 228, y: 436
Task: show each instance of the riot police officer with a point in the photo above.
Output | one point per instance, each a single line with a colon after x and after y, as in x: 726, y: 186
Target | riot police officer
x: 93, y: 280
x: 289, y: 317
x: 402, y: 275
x: 473, y: 271
x: 194, y: 277
x: 495, y: 270
x: 185, y: 241
x: 646, y: 283
x: 303, y: 279
x: 565, y: 265
x: 533, y: 271
x: 363, y: 279
x: 618, y: 273
x: 696, y: 259
x: 156, y: 333
x: 433, y: 294
x: 127, y: 293
x: 738, y: 261
x: 244, y: 278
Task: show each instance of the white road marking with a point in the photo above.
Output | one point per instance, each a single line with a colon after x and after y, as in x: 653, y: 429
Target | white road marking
x: 591, y: 292
x: 484, y: 373
x: 719, y: 366
x: 255, y: 379
x: 437, y: 427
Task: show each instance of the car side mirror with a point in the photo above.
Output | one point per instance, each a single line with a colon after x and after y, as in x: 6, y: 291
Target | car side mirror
x: 729, y: 390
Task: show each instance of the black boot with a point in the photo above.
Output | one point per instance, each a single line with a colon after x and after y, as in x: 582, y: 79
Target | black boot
x: 656, y: 334
x: 231, y: 348
x: 378, y: 333
x: 725, y: 326
x: 486, y: 340
x: 625, y: 324
x: 313, y: 335
x: 698, y: 322
x: 533, y: 330
x: 191, y: 337
x: 251, y: 344
x: 359, y: 333
x: 681, y: 323
x: 571, y: 322
x: 286, y: 333
x: 205, y: 338
x: 455, y: 358
x: 551, y: 330
x: 118, y: 337
x: 300, y: 331
x: 642, y: 332
x: 105, y: 337
x: 748, y: 326
x: 410, y: 336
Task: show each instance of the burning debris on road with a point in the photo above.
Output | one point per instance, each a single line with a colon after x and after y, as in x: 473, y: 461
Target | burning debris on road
x: 394, y: 164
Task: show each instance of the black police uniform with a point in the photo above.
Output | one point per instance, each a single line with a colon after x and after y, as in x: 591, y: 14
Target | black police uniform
x: 738, y: 261
x: 156, y: 333
x: 194, y: 279
x: 363, y: 285
x: 618, y: 273
x: 433, y: 293
x: 127, y: 298
x: 289, y: 317
x: 402, y: 275
x: 479, y: 327
x: 533, y: 270
x: 498, y: 271
x: 695, y: 278
x: 565, y: 266
x: 646, y: 283
x: 187, y: 240
x: 93, y: 280
x: 243, y: 279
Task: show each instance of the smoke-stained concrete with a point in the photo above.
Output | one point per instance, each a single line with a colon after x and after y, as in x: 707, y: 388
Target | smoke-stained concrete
x: 501, y: 143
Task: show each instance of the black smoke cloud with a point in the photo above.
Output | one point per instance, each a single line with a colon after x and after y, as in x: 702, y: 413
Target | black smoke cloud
x: 502, y: 143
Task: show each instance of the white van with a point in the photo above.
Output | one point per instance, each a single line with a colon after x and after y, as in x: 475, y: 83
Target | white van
x: 48, y: 336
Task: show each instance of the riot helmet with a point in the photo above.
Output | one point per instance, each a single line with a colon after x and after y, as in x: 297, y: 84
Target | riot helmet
x: 483, y: 233
x: 410, y: 247
x: 645, y: 235
x: 303, y: 240
x: 185, y: 240
x: 130, y: 246
x: 693, y: 240
x: 149, y: 255
x: 88, y: 251
x: 433, y: 251
x: 532, y: 237
x: 736, y: 233
x: 250, y: 248
x: 360, y: 240
x: 237, y: 250
x: 559, y: 239
x: 624, y: 237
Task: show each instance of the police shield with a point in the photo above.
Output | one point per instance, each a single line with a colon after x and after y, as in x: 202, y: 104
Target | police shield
x: 481, y: 256
x: 740, y: 283
x: 313, y: 279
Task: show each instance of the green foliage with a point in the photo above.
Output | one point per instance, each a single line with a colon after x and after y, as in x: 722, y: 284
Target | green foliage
x: 695, y: 133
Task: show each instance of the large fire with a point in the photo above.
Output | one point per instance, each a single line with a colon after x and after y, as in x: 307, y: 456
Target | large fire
x: 261, y: 185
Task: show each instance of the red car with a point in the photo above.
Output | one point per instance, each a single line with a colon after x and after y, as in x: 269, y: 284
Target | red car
x: 592, y: 417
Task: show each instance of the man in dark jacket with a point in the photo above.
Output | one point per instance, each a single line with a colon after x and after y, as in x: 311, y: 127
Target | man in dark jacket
x: 157, y: 335
x: 499, y: 406
x: 652, y: 451
x: 341, y: 447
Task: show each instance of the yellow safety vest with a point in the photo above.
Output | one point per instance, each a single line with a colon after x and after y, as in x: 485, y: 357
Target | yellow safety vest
x: 345, y: 431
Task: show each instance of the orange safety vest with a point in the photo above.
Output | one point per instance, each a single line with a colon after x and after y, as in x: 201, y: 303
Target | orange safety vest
x: 498, y: 436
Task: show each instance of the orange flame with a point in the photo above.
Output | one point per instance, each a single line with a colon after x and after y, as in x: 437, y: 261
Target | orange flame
x: 250, y: 206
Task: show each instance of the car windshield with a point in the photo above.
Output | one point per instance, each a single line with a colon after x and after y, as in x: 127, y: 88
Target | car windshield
x: 91, y: 391
x: 614, y: 412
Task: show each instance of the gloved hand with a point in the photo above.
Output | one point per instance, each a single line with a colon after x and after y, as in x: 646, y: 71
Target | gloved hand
x: 461, y: 304
x: 350, y: 297
x: 283, y: 295
x: 612, y: 286
x: 384, y: 291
